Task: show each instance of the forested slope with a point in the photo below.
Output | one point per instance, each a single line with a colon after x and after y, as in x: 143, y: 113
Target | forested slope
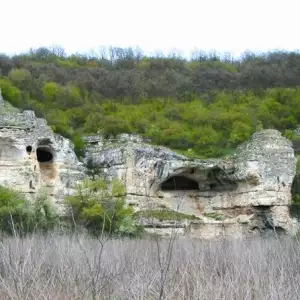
x: 203, y: 106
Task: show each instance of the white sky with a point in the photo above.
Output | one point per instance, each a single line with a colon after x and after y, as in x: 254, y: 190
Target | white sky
x: 82, y: 25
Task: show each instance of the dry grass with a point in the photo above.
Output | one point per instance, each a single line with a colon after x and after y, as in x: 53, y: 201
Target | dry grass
x: 60, y: 267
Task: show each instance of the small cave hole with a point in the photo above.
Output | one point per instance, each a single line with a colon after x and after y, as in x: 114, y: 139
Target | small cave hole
x: 44, y: 155
x: 213, y: 186
x: 192, y: 170
x: 29, y: 149
x: 31, y: 185
x: 179, y: 183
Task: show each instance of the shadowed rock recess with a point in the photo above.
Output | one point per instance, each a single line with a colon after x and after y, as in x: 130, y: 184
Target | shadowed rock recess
x: 248, y: 193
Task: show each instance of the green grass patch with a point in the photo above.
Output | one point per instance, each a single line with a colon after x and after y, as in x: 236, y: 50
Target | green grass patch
x: 164, y: 215
x: 213, y: 215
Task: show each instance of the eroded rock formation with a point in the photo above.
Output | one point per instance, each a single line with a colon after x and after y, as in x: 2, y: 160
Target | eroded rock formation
x: 248, y: 192
x: 34, y: 160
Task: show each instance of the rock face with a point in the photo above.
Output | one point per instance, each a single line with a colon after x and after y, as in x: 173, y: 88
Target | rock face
x: 247, y: 193
x: 34, y: 160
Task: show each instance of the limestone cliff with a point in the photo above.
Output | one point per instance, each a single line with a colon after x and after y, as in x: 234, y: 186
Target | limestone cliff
x: 34, y: 160
x: 248, y: 192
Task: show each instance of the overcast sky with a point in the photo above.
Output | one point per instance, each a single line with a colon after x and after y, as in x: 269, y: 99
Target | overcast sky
x: 82, y: 25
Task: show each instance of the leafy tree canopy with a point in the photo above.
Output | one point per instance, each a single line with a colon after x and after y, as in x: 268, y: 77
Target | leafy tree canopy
x: 204, y: 106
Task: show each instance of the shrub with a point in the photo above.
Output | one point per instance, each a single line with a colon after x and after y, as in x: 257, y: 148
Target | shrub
x: 21, y: 216
x: 14, y: 210
x: 43, y: 215
x: 112, y: 126
x: 100, y: 207
x: 78, y: 144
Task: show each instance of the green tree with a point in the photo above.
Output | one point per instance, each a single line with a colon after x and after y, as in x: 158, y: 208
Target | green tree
x: 100, y: 207
x: 59, y: 121
x: 52, y: 92
x: 207, y: 141
x: 20, y: 77
x: 92, y: 124
x: 72, y: 97
x: 240, y: 132
x: 112, y: 126
x: 10, y: 92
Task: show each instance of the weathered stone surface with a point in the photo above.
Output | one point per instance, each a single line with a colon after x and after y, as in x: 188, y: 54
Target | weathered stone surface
x: 34, y: 160
x: 253, y: 187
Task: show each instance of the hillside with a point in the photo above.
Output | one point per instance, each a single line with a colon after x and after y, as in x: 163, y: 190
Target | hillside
x: 202, y: 107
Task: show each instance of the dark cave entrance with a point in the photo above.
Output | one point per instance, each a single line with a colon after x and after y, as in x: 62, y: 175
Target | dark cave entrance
x: 44, y: 155
x: 176, y: 183
x: 29, y: 149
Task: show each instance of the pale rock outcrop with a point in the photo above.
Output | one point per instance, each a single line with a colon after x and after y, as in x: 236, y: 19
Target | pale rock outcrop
x: 34, y: 160
x: 248, y: 192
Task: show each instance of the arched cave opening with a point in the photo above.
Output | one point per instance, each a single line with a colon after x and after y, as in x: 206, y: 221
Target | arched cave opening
x: 29, y: 149
x: 176, y: 183
x: 44, y: 155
